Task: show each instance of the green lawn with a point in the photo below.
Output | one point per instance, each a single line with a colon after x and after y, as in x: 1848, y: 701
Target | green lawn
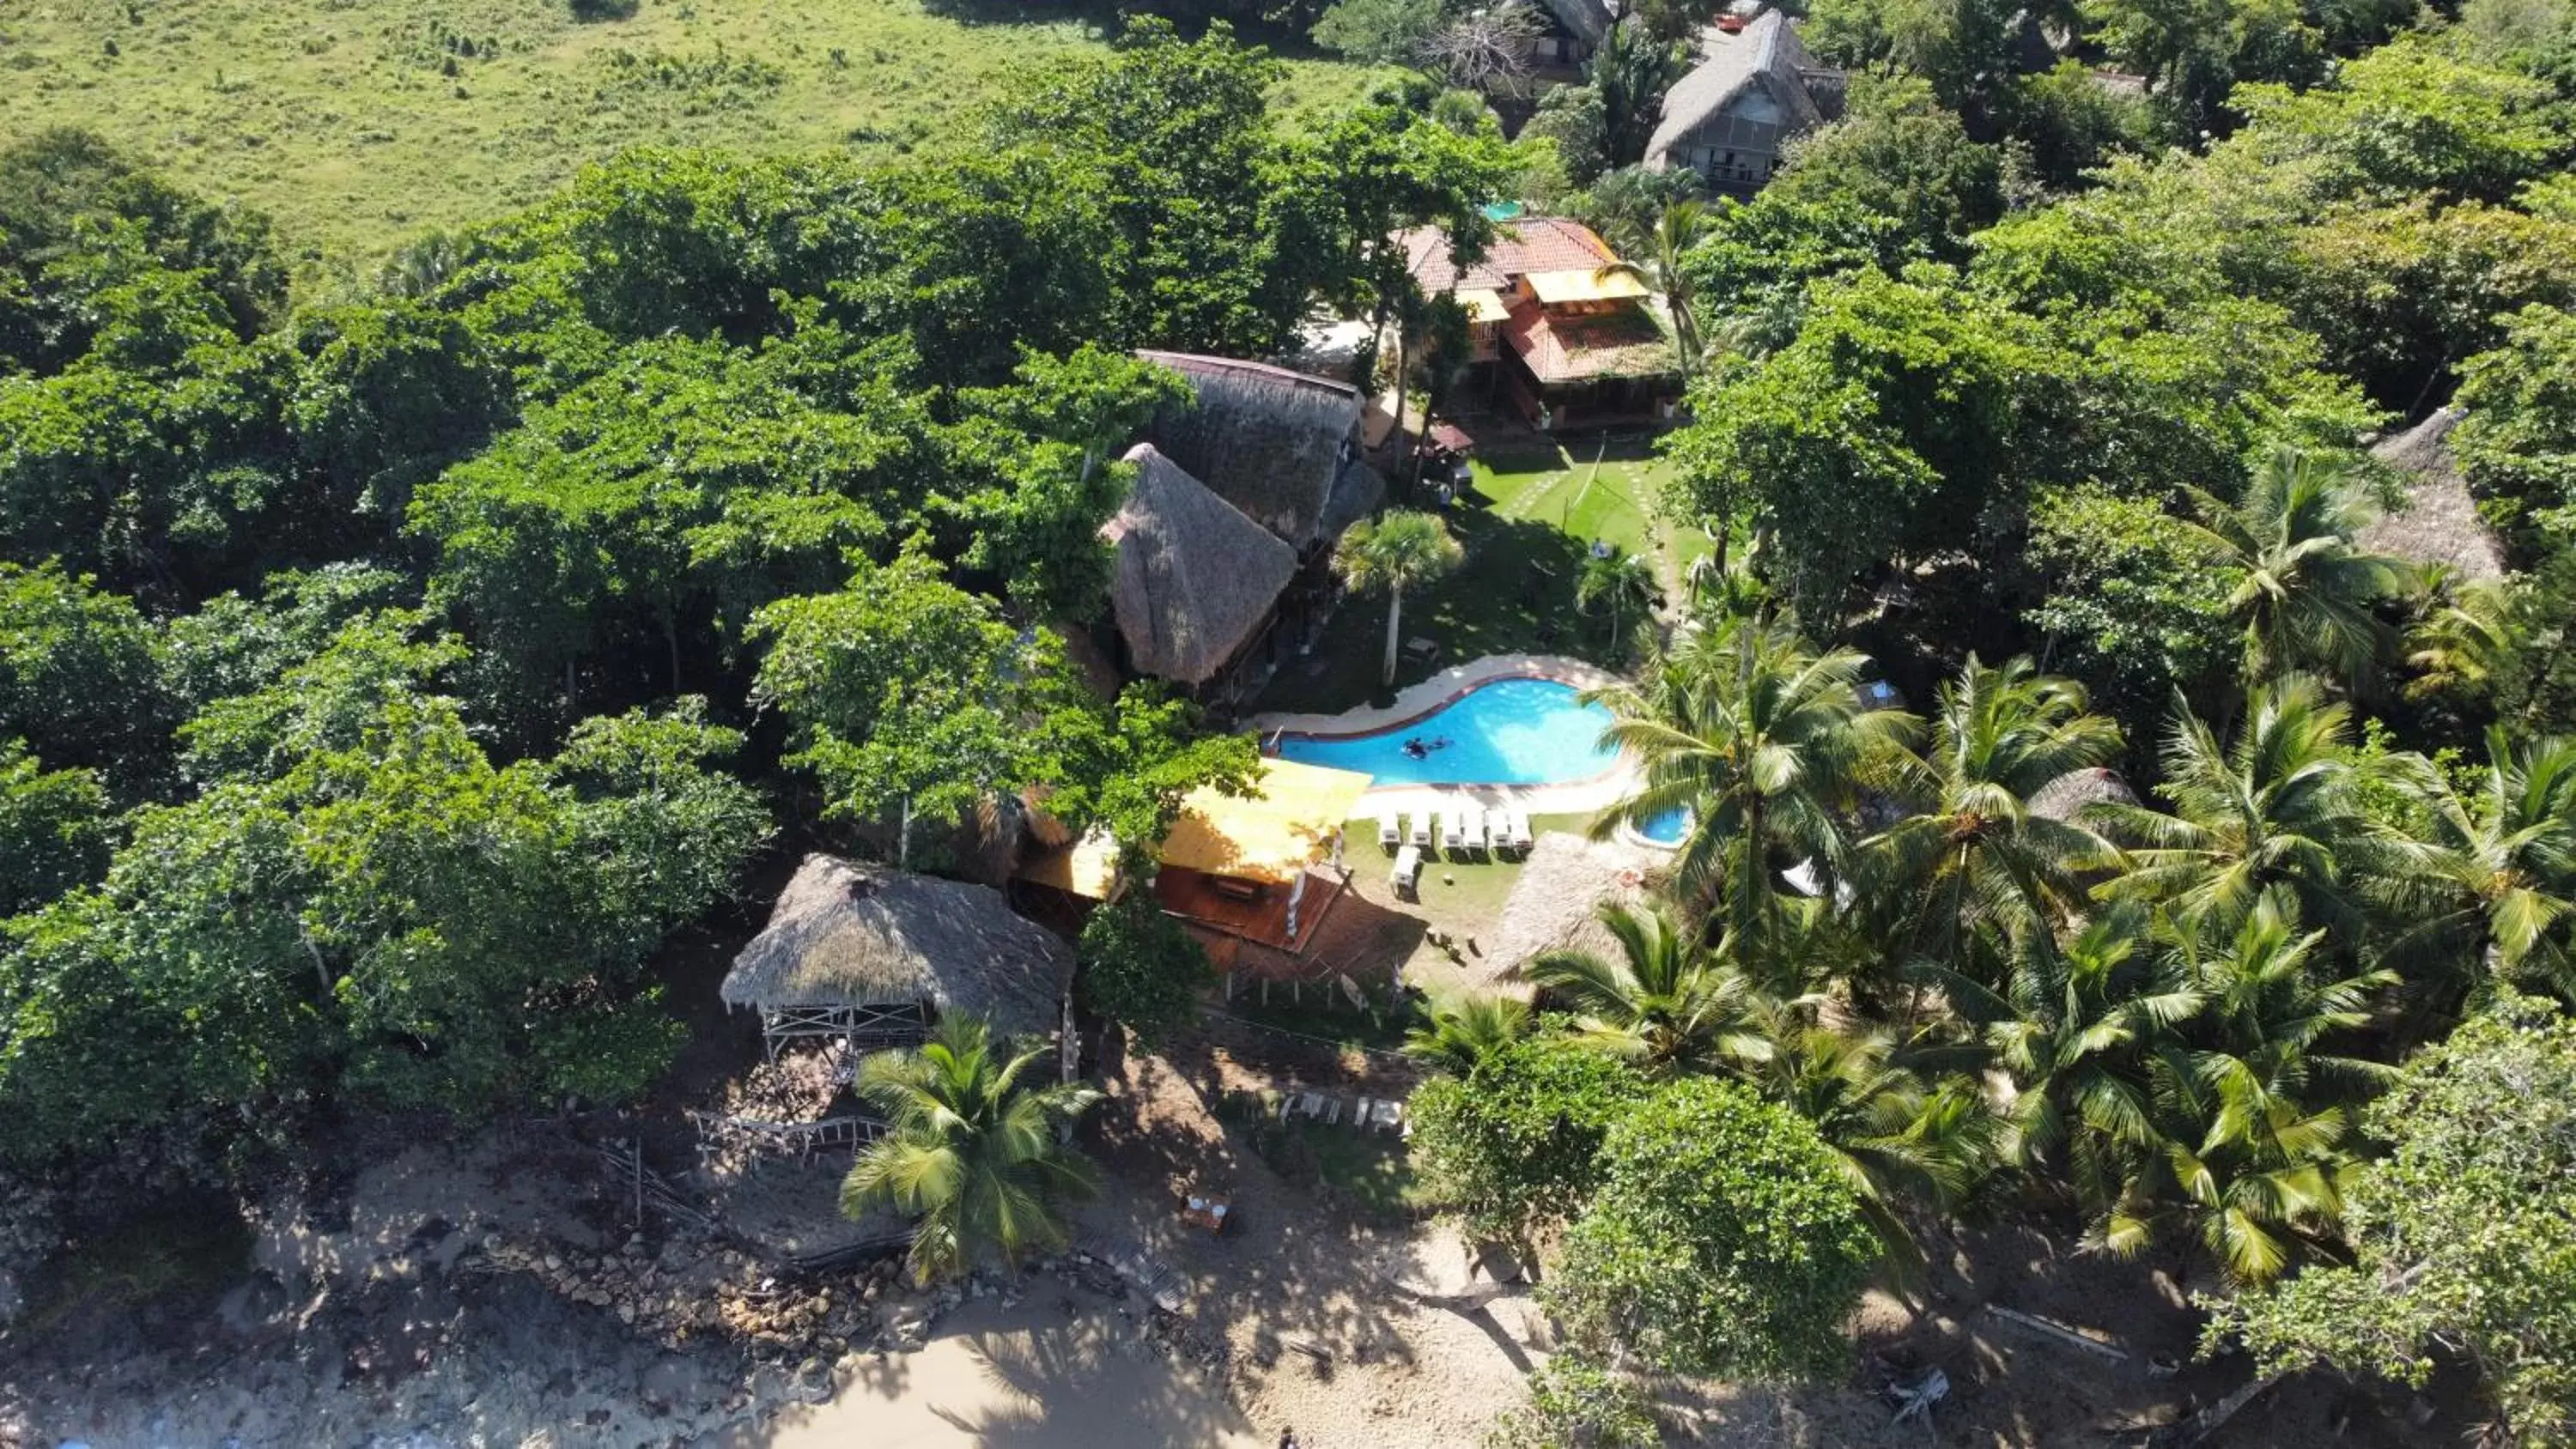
x: 343, y: 121
x: 1526, y: 529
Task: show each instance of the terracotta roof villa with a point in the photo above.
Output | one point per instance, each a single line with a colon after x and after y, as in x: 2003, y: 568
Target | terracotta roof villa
x: 867, y: 953
x: 1278, y: 445
x: 1562, y: 332
x: 1197, y: 582
x: 1732, y: 119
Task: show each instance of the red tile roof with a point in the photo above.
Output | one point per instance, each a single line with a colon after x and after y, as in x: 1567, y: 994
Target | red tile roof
x: 1530, y: 244
x: 1621, y: 343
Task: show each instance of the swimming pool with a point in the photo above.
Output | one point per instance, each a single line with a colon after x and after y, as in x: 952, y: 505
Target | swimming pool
x: 1515, y: 731
x: 1665, y: 828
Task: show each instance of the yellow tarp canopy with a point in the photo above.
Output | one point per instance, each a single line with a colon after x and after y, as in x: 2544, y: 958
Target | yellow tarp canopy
x: 1087, y: 868
x: 1272, y: 836
x: 1483, y: 304
x: 1552, y: 288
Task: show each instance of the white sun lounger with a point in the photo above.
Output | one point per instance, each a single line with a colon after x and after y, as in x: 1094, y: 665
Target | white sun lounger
x: 1516, y: 829
x: 1390, y: 833
x: 1452, y: 838
x: 1406, y: 878
x: 1478, y: 824
x: 1420, y: 834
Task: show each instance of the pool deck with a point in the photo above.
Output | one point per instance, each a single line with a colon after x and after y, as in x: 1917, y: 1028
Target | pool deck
x: 1592, y: 794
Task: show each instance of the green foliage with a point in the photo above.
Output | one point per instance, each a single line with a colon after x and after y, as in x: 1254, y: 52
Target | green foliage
x: 2517, y: 442
x: 81, y: 675
x: 1512, y: 1146
x: 1379, y: 32
x: 2408, y: 120
x: 1578, y: 1405
x: 54, y: 830
x: 2463, y: 1237
x: 2140, y: 606
x: 1390, y: 553
x: 1140, y: 968
x: 1900, y: 154
x: 972, y: 1155
x: 1722, y: 1239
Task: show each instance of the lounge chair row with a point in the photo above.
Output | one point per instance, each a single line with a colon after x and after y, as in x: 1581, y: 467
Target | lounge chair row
x: 1465, y: 828
x: 1370, y: 1114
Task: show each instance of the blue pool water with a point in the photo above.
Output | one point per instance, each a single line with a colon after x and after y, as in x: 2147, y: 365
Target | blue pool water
x: 1509, y: 732
x: 1665, y: 828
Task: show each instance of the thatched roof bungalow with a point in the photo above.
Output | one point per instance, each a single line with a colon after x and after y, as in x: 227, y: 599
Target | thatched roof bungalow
x: 856, y: 950
x: 1272, y: 442
x: 2438, y: 523
x: 1732, y: 118
x: 1554, y: 905
x: 1196, y: 582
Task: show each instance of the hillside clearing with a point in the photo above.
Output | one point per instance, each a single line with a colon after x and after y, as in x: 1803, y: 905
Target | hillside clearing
x: 357, y: 124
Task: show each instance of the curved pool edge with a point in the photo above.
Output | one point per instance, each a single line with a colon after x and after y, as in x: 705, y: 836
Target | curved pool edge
x: 1429, y: 696
x: 1589, y: 795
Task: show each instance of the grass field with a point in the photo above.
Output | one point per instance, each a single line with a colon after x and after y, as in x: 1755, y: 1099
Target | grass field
x: 357, y: 124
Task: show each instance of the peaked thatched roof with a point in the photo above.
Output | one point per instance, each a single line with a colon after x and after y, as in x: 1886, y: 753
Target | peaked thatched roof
x: 2438, y: 522
x: 1750, y: 93
x: 1586, y: 20
x: 1195, y: 578
x: 1552, y: 904
x: 1269, y: 441
x: 845, y: 933
x: 2066, y: 797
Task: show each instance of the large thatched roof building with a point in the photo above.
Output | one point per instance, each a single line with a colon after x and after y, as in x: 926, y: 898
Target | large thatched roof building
x: 2438, y: 523
x: 1554, y: 905
x: 1196, y: 581
x: 865, y: 951
x: 1274, y: 443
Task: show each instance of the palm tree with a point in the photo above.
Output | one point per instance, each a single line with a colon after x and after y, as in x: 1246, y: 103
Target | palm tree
x: 1679, y: 228
x: 2250, y: 1115
x: 1664, y: 1002
x: 1392, y: 552
x: 2463, y: 636
x: 1631, y: 71
x: 1622, y: 581
x: 1972, y: 851
x: 971, y: 1151
x: 1463, y: 1032
x: 2281, y: 805
x: 2307, y: 593
x: 1762, y: 739
x: 2493, y: 880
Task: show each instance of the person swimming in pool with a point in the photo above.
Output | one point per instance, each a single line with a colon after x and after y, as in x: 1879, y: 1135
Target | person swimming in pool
x: 1414, y: 749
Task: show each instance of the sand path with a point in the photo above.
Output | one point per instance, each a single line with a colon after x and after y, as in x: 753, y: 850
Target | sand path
x: 1031, y: 1377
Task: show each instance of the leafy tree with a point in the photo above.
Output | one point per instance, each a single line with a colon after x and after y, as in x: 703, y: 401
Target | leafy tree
x: 2517, y: 439
x: 1392, y: 552
x: 1576, y: 122
x: 81, y: 675
x: 2407, y: 120
x: 2463, y: 1238
x: 972, y: 1153
x: 54, y: 830
x: 2305, y: 593
x: 1574, y: 1403
x: 2072, y: 123
x: 2138, y: 605
x: 1511, y: 1147
x: 1140, y: 968
x: 1379, y: 32
x: 1899, y: 153
x: 1723, y: 1239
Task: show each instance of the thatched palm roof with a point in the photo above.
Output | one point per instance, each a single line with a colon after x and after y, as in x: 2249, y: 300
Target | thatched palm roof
x: 1195, y: 579
x: 1552, y: 904
x: 1269, y: 441
x: 2439, y: 522
x: 848, y: 934
x: 1749, y: 94
x: 2065, y: 798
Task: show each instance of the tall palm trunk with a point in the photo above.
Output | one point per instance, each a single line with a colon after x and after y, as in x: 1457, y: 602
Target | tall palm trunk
x: 1394, y: 627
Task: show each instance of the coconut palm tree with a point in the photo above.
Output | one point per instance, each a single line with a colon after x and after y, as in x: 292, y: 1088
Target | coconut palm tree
x: 2307, y: 594
x: 2250, y: 1109
x: 1655, y: 259
x: 1393, y: 552
x: 1971, y: 851
x: 2466, y: 632
x: 1464, y: 1030
x: 1665, y: 1002
x: 1619, y: 581
x: 1763, y: 740
x: 2280, y: 805
x: 2491, y: 885
x: 971, y: 1150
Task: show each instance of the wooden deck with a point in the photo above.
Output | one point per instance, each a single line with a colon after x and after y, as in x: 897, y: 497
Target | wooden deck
x: 1225, y: 907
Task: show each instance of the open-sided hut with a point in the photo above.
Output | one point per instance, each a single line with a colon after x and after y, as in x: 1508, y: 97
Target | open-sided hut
x: 873, y: 955
x: 1274, y: 443
x: 2437, y: 522
x: 1197, y: 583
